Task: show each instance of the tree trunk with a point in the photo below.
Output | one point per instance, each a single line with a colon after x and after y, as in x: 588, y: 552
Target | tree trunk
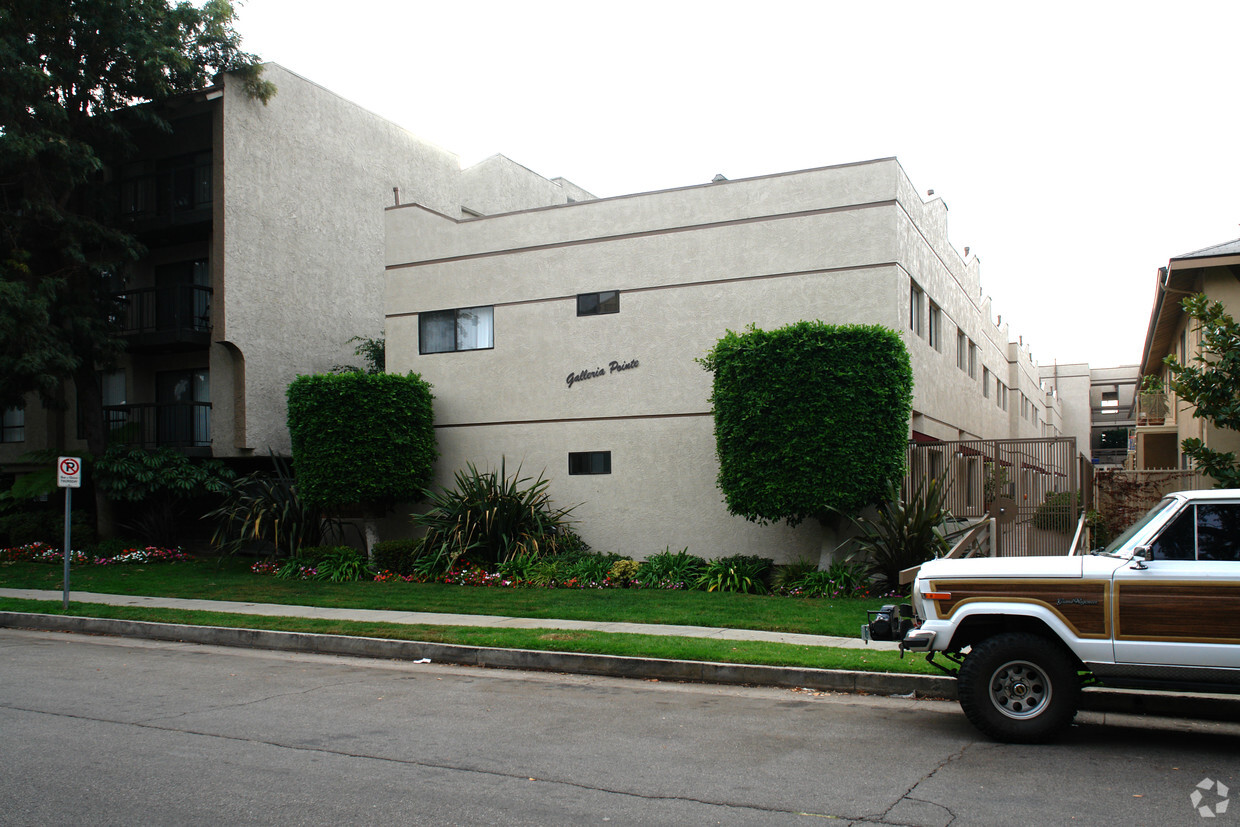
x: 90, y: 409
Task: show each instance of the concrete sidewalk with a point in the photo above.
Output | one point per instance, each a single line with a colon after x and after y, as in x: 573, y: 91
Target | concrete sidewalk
x: 1094, y: 699
x: 439, y: 619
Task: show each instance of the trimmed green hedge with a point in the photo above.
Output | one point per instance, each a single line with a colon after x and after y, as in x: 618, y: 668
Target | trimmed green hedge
x: 809, y: 418
x: 361, y: 439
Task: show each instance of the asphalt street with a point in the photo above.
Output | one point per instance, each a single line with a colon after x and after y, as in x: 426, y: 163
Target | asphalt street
x: 97, y: 730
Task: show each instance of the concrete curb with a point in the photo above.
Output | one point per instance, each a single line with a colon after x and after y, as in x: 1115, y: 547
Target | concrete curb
x: 1163, y: 704
x: 832, y: 680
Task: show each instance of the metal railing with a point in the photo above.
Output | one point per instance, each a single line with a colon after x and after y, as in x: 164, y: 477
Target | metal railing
x: 977, y: 539
x: 185, y: 307
x: 161, y: 424
x: 1030, y: 486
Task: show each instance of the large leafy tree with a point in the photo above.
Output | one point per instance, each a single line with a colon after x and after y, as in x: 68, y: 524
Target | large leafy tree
x: 77, y: 79
x: 1211, y: 382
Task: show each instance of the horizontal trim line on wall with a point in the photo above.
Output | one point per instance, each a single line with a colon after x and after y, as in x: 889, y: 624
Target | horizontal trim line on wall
x: 573, y: 419
x: 556, y: 245
x: 683, y: 284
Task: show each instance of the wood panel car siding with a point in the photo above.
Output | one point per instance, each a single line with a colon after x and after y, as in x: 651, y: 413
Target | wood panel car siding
x: 1083, y: 605
x: 1193, y: 611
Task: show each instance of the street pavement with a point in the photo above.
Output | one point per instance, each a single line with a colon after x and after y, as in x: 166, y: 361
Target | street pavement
x: 105, y: 730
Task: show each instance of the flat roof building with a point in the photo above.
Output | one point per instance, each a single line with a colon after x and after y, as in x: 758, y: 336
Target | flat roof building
x: 564, y: 339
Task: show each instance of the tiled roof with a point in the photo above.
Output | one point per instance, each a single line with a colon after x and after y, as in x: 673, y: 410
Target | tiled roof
x: 1227, y: 248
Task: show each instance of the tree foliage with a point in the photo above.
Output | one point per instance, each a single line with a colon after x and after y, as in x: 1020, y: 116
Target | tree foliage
x: 74, y: 76
x: 373, y: 353
x: 1211, y: 382
x: 361, y: 438
x: 810, y: 419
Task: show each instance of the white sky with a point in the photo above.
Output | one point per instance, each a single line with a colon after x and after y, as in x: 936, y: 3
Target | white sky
x: 1078, y: 145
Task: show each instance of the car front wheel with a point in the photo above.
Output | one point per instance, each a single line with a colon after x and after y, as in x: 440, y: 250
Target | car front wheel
x: 1020, y: 688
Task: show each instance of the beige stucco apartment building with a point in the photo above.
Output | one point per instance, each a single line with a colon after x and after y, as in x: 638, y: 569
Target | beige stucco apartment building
x: 1163, y: 421
x: 564, y: 339
x: 264, y: 227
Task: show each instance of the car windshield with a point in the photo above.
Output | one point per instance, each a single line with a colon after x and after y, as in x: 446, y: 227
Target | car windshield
x: 1115, y: 545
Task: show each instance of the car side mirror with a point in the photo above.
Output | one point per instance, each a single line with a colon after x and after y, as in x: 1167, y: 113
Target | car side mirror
x: 1139, y: 555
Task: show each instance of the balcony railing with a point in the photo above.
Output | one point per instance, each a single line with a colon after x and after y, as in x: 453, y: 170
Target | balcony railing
x: 1155, y: 408
x: 164, y: 317
x: 161, y: 424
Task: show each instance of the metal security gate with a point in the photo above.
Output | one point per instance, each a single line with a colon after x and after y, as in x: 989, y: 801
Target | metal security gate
x: 1030, y: 486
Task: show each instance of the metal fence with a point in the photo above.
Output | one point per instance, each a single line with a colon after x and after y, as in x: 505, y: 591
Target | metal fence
x: 1032, y: 487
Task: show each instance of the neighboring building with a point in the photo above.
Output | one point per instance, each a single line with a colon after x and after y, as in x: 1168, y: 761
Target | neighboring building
x: 1163, y: 422
x: 564, y: 339
x: 1098, y: 408
x: 264, y: 231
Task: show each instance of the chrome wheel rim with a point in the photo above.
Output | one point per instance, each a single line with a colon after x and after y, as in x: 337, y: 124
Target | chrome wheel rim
x: 1020, y: 690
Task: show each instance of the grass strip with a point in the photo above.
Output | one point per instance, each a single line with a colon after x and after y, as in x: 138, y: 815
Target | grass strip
x: 549, y: 640
x: 231, y: 579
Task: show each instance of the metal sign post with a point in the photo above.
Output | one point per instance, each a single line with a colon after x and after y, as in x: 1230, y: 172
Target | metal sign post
x: 68, y: 477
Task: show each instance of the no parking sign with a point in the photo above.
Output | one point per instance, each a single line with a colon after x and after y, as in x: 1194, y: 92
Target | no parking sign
x: 69, y: 477
x: 69, y: 472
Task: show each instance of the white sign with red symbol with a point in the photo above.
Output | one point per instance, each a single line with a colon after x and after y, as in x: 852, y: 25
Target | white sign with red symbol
x: 69, y: 472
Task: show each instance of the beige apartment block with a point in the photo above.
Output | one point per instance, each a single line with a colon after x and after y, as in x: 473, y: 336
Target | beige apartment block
x: 264, y: 227
x: 1163, y: 421
x: 564, y: 339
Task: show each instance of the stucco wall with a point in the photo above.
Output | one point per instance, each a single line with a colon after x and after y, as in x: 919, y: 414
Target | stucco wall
x: 836, y: 244
x: 305, y: 181
x: 499, y: 185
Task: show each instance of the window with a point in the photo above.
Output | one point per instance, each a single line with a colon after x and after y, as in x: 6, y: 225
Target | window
x: 972, y: 360
x: 14, y: 425
x: 1184, y: 346
x: 1206, y: 531
x: 962, y: 351
x: 936, y: 327
x: 183, y: 407
x: 986, y: 382
x: 589, y: 462
x: 916, y: 297
x: 1110, y: 402
x: 1001, y: 394
x: 446, y: 331
x: 1035, y: 415
x: 597, y: 304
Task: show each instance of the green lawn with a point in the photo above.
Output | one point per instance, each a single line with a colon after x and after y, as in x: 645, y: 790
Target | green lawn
x: 232, y: 580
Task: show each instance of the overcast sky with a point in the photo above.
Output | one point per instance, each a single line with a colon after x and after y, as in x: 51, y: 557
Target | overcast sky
x: 1078, y: 146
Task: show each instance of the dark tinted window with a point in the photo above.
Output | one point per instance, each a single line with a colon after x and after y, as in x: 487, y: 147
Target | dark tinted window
x: 590, y: 462
x: 596, y: 304
x: 1218, y: 531
x: 1176, y: 540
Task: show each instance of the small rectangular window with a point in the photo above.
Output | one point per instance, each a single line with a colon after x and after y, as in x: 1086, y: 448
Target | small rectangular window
x: 972, y: 360
x: 962, y: 355
x: 447, y: 331
x: 589, y: 462
x: 14, y: 425
x: 597, y: 304
x: 936, y: 327
x: 986, y: 382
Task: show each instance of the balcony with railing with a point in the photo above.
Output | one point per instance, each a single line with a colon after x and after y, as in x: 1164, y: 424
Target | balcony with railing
x: 174, y: 318
x: 1155, y: 408
x: 176, y: 192
x: 185, y: 425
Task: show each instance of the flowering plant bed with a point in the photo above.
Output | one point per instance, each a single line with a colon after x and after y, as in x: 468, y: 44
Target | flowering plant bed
x: 43, y: 553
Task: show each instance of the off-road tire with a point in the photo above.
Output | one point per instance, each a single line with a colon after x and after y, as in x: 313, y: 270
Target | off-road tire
x: 1020, y: 688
